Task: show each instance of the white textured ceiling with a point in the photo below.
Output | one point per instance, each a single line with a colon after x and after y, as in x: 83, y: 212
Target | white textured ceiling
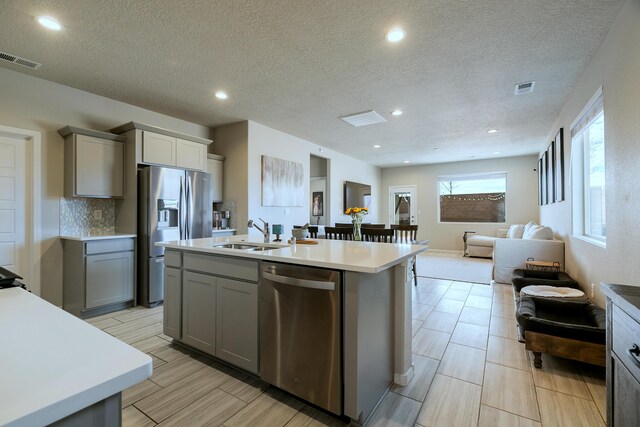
x: 297, y: 65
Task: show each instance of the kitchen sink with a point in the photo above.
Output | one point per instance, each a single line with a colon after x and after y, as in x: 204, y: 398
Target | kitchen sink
x: 247, y: 247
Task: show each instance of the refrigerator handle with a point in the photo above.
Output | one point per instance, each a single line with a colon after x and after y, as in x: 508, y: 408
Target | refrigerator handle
x: 187, y: 219
x: 180, y: 211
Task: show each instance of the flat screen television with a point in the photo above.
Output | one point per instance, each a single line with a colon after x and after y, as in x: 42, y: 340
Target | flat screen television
x: 357, y: 195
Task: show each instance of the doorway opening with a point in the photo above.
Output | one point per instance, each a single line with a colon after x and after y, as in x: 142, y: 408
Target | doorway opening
x: 402, y: 205
x: 319, y: 191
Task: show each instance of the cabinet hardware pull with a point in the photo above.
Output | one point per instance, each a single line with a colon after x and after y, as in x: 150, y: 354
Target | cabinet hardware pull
x: 634, y: 354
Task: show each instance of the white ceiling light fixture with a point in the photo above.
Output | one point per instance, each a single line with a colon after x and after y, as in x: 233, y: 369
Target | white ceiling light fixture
x: 221, y: 95
x: 496, y: 152
x: 396, y: 113
x: 407, y: 161
x: 492, y: 131
x: 377, y: 146
x: 395, y: 35
x: 50, y: 23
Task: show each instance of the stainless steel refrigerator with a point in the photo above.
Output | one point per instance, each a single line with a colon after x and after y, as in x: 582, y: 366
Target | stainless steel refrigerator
x: 173, y: 204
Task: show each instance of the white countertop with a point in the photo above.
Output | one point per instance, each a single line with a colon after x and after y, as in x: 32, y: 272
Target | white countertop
x: 364, y: 257
x: 87, y: 237
x: 53, y: 364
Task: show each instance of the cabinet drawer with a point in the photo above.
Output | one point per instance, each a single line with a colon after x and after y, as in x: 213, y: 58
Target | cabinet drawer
x: 222, y: 266
x: 172, y: 259
x: 110, y: 245
x: 626, y: 333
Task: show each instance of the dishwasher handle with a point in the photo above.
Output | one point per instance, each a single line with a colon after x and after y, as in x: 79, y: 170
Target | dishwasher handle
x: 300, y: 283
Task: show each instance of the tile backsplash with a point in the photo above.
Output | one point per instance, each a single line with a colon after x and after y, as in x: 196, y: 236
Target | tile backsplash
x: 77, y: 216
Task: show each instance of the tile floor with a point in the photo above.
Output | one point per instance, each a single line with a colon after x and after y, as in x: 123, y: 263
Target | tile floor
x: 469, y: 371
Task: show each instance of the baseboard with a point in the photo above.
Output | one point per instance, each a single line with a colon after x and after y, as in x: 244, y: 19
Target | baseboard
x: 403, y: 379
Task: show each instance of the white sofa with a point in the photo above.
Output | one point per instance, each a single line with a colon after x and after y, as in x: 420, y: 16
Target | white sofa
x: 536, y: 242
x: 482, y: 246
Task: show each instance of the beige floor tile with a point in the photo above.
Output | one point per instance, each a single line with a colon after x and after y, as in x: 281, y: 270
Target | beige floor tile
x: 481, y: 291
x: 150, y: 344
x: 503, y: 310
x: 476, y: 316
x: 443, y: 406
x: 273, y: 408
x: 138, y: 392
x: 474, y: 301
x: 560, y: 375
x: 463, y: 363
x: 415, y: 325
x: 244, y: 387
x: 424, y: 371
x: 394, y: 410
x: 449, y: 306
x: 140, y: 312
x: 165, y: 402
x: 502, y: 288
x: 492, y: 417
x: 140, y: 334
x: 96, y: 319
x: 504, y: 327
x: 470, y: 335
x: 428, y: 281
x: 173, y: 371
x: 311, y: 417
x: 439, y: 321
x: 170, y: 352
x: 428, y: 298
x: 156, y: 362
x: 562, y: 410
x: 421, y: 311
x: 511, y: 390
x: 430, y: 343
x: 465, y: 286
x: 595, y: 378
x: 439, y: 290
x: 105, y: 323
x: 503, y: 298
x: 213, y: 409
x: 122, y: 328
x: 507, y: 352
x: 456, y: 294
x: 132, y: 417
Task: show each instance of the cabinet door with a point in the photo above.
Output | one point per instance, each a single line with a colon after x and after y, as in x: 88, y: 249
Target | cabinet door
x: 109, y: 278
x: 214, y: 167
x: 98, y: 167
x: 198, y: 311
x: 626, y: 395
x: 158, y: 149
x: 172, y: 311
x: 190, y: 155
x: 237, y: 323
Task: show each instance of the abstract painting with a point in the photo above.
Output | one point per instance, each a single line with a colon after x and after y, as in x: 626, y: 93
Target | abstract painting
x: 282, y: 182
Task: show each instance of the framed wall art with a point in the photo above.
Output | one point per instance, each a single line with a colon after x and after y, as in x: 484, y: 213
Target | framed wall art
x: 559, y: 166
x: 282, y: 182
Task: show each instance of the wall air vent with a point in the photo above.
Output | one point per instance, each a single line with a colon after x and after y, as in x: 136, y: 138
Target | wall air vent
x: 522, y: 88
x: 363, y: 119
x: 4, y: 56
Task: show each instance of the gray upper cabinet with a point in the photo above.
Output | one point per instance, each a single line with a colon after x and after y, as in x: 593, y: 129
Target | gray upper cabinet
x: 93, y: 163
x: 166, y: 150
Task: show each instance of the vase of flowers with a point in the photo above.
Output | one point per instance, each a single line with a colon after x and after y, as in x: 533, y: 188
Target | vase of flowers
x: 356, y: 218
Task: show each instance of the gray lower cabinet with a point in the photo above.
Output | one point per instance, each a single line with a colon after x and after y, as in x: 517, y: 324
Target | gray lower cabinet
x: 237, y: 323
x: 199, y: 311
x: 172, y: 311
x: 99, y: 276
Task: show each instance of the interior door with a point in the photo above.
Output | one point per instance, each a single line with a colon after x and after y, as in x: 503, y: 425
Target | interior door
x: 14, y: 251
x: 403, y: 205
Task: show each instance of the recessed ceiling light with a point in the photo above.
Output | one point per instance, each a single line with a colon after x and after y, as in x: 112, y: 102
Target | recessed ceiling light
x: 377, y: 146
x: 396, y: 113
x: 407, y: 161
x: 221, y: 95
x: 50, y: 23
x: 395, y: 35
x: 496, y: 152
x: 492, y: 131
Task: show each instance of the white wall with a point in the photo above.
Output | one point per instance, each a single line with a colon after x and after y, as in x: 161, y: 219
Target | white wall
x: 521, y: 198
x: 615, y: 67
x: 30, y: 103
x: 271, y: 142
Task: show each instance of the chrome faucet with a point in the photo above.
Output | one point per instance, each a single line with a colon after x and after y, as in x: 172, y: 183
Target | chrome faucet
x: 265, y: 232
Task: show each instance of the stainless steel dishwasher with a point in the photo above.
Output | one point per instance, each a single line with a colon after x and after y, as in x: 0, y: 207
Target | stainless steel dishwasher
x: 301, y: 332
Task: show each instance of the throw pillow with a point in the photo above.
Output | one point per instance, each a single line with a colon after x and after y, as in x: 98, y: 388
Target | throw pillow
x: 542, y: 233
x: 528, y: 232
x: 529, y: 225
x: 515, y: 231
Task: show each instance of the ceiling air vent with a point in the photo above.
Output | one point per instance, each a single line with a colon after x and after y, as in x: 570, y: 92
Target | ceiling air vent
x: 363, y: 119
x: 20, y: 61
x: 522, y: 88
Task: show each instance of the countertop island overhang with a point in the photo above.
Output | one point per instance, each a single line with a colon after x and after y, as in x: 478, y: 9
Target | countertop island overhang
x: 377, y: 325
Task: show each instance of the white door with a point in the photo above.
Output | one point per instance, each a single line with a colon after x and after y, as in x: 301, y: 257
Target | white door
x: 403, y: 205
x: 14, y: 252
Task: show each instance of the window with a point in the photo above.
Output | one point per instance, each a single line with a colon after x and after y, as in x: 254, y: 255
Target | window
x: 472, y: 197
x: 587, y: 139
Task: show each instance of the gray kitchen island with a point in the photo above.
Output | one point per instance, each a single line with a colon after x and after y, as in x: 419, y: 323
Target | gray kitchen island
x: 330, y: 322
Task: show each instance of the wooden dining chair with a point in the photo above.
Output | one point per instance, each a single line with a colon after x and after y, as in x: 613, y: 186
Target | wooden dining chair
x: 407, y: 234
x: 379, y: 235
x: 344, y: 224
x: 338, y: 233
x: 313, y: 230
x: 373, y: 226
